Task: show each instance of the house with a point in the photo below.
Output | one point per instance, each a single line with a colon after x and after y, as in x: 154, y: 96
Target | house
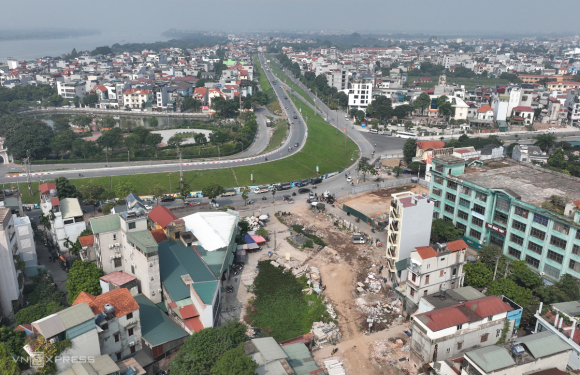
x: 117, y: 279
x: 491, y: 151
x: 272, y: 358
x: 485, y: 113
x: 11, y: 278
x: 161, y: 337
x: 136, y: 98
x: 446, y: 298
x: 426, y: 150
x: 528, y: 153
x: 523, y: 114
x: 101, y: 365
x: 72, y: 89
x: 77, y: 324
x: 449, y: 331
x: 431, y: 271
x: 118, y: 321
x: 160, y: 217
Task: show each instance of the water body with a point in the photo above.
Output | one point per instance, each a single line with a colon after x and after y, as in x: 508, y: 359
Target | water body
x: 138, y: 120
x: 32, y: 49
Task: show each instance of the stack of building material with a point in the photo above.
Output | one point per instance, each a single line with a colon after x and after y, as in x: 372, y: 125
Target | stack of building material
x: 325, y: 333
x: 334, y: 367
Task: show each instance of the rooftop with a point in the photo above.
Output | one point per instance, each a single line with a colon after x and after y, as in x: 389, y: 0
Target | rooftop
x: 118, y: 278
x: 214, y: 230
x: 61, y: 321
x: 144, y: 240
x: 162, y: 216
x: 106, y: 223
x: 70, y: 207
x: 449, y: 159
x: 156, y: 327
x: 121, y: 300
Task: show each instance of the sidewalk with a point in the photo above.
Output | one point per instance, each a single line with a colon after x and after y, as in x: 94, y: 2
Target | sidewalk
x: 58, y: 275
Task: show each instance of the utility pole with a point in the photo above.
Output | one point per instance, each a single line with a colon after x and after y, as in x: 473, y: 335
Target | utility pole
x: 28, y: 179
x: 507, y: 264
x: 180, y: 169
x: 496, y: 264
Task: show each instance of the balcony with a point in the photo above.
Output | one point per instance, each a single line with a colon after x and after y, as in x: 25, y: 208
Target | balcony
x: 394, y: 226
x: 391, y: 264
x: 394, y: 214
x: 414, y: 267
x: 392, y: 252
x: 392, y: 239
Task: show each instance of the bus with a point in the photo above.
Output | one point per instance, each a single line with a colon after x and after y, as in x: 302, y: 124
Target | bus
x: 406, y: 135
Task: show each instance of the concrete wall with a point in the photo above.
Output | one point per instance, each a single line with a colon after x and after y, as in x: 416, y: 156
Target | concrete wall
x: 25, y: 240
x: 415, y: 228
x: 85, y: 345
x: 9, y: 289
x: 119, y: 325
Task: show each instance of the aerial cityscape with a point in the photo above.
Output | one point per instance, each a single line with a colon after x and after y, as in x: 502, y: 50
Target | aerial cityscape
x: 309, y: 197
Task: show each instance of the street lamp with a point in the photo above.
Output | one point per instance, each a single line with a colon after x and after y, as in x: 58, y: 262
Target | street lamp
x: 219, y: 160
x: 128, y: 161
x: 252, y: 176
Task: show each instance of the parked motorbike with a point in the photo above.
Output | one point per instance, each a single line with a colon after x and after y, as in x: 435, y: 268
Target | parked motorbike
x: 264, y: 198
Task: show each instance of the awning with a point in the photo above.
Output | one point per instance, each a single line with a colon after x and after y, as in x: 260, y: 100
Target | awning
x: 63, y: 258
x: 258, y: 239
x: 401, y: 265
x: 253, y: 246
x: 194, y: 324
x: 248, y: 239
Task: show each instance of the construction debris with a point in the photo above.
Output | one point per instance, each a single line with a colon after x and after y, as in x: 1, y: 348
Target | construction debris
x: 334, y: 367
x: 325, y: 333
x: 394, y: 351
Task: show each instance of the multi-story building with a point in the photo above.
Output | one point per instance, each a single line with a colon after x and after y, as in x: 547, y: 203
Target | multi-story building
x: 25, y: 240
x: 410, y: 222
x: 10, y: 277
x: 69, y: 90
x: 118, y: 322
x: 507, y: 204
x: 447, y: 332
x: 66, y: 220
x: 572, y: 103
x: 134, y: 98
x: 433, y: 270
x: 527, y: 154
x: 360, y: 95
x: 337, y: 78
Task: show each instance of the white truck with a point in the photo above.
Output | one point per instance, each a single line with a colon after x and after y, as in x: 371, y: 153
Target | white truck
x: 261, y: 189
x: 358, y: 238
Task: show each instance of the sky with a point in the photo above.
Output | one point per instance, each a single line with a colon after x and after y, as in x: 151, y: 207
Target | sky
x: 151, y: 17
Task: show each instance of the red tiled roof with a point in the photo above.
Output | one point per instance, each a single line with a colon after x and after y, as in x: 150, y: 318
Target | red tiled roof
x: 100, y: 87
x: 435, y: 145
x: 484, y: 109
x: 162, y: 216
x: 444, y: 318
x: 121, y: 299
x: 46, y: 188
x: 456, y: 245
x: 426, y: 252
x: 159, y: 235
x: 488, y: 306
x: 567, y: 83
x: 118, y: 278
x: 54, y: 202
x: 87, y: 240
x: 172, y: 305
x: 188, y: 311
x: 194, y: 324
x: 523, y: 108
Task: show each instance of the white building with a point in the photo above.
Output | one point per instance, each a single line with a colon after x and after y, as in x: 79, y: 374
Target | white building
x: 431, y: 271
x: 10, y: 290
x: 25, y: 240
x: 360, y: 95
x: 572, y: 103
x: 461, y: 108
x: 69, y: 90
x: 337, y: 78
x: 134, y: 98
x: 410, y: 218
x: 527, y: 153
x: 66, y: 218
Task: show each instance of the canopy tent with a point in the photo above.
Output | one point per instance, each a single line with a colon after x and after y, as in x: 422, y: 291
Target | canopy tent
x: 258, y: 239
x: 248, y: 239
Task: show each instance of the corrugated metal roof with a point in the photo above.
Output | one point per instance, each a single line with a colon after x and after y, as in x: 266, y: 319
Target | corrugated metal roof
x: 70, y: 207
x: 488, y: 306
x: 206, y: 290
x: 156, y: 327
x: 49, y: 326
x: 144, y: 240
x: 76, y: 315
x: 300, y: 359
x: 491, y: 358
x: 544, y: 344
x: 213, y: 229
x: 571, y: 308
x: 269, y: 349
x: 106, y: 223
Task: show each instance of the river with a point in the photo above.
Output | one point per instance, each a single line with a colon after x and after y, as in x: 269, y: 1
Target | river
x: 32, y: 49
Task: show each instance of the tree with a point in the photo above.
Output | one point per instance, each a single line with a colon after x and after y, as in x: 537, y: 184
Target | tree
x: 90, y: 99
x: 156, y: 191
x: 218, y: 137
x: 510, y: 289
x: 34, y: 312
x: 477, y: 274
x: 62, y: 124
x: 153, y: 122
x: 200, y: 139
x: 127, y: 124
x: 342, y: 99
x: 132, y: 142
x: 523, y: 275
x: 212, y: 191
x: 201, y: 351
x: 446, y: 109
x: 422, y: 102
x: 175, y: 140
x: 104, y: 50
x: 14, y: 341
x: 7, y: 364
x: 488, y: 255
x: 63, y: 142
x: 569, y: 286
x: 409, y: 149
x: 74, y: 248
x: 235, y: 362
x: 64, y: 189
x: 83, y: 277
x: 123, y: 189
x: 92, y: 193
x: 365, y: 167
x: 153, y: 140
x: 26, y: 135
x: 402, y: 111
x: 82, y: 120
x: 444, y: 231
x: 558, y: 160
x: 44, y: 293
x: 545, y: 141
x: 190, y: 103
x: 108, y: 122
x: 245, y: 194
x: 110, y: 139
x: 382, y: 107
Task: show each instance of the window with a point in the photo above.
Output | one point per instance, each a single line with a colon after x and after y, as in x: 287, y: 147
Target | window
x: 516, y: 239
x: 117, y: 262
x: 475, y: 234
x: 465, y: 190
x: 425, y: 293
x: 558, y: 242
x: 541, y: 219
x: 441, y: 272
x: 480, y: 196
x: 462, y: 215
x: 132, y: 269
x: 448, y: 350
x: 496, y: 239
x: 532, y: 261
x: 463, y: 227
x: 118, y: 354
x: 479, y: 209
x: 500, y: 217
x: 459, y: 345
x: 460, y: 326
x: 130, y: 316
x: 454, y: 271
x: 463, y: 202
x: 449, y: 209
x: 132, y: 349
x: 537, y: 234
x: 477, y: 221
x: 412, y: 292
x: 502, y: 204
x: 435, y: 215
x: 437, y: 204
x: 446, y: 218
x: 132, y: 225
x: 438, y: 179
x: 532, y: 246
x: 558, y: 258
x: 427, y: 279
x: 114, y: 237
x: 484, y: 337
x: 578, y: 234
x: 452, y: 185
x: 575, y: 266
x: 513, y: 252
x: 519, y: 226
x: 552, y: 271
x: 116, y: 335
x: 490, y: 318
x: 130, y: 331
x: 497, y: 332
x: 562, y: 228
x: 439, y: 167
x: 436, y: 191
x: 575, y: 249
x: 521, y: 212
x: 450, y: 197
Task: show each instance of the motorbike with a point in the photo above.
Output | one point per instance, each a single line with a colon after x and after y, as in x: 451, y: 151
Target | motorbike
x: 264, y: 198
x: 294, y: 194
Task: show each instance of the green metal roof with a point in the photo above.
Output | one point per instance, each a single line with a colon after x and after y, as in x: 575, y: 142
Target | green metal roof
x: 156, y: 327
x: 300, y: 359
x: 213, y: 259
x: 176, y: 260
x: 144, y: 240
x: 206, y: 290
x: 401, y: 265
x: 162, y: 306
x: 544, y: 344
x: 571, y: 308
x: 106, y: 223
x: 491, y: 358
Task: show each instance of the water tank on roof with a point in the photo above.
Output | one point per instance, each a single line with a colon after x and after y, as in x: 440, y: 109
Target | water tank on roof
x: 109, y: 309
x: 52, y: 192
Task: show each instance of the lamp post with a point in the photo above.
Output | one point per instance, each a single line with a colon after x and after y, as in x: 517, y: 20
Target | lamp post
x: 252, y: 176
x: 128, y: 161
x: 219, y: 160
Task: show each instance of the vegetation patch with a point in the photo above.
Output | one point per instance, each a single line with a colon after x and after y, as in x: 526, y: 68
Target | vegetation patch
x: 278, y: 136
x: 285, y: 79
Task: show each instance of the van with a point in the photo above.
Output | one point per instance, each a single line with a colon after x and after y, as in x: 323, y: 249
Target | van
x: 358, y: 238
x: 371, y: 130
x: 346, y: 116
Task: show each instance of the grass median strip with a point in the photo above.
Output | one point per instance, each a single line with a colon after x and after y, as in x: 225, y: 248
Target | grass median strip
x: 280, y: 130
x: 284, y: 78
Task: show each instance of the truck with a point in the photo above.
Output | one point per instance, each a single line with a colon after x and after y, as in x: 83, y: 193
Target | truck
x: 229, y: 193
x: 261, y: 189
x: 284, y: 186
x: 358, y: 238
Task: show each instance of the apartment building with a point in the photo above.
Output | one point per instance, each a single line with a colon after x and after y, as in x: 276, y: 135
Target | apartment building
x: 500, y: 202
x: 409, y: 227
x: 572, y: 103
x: 134, y: 98
x: 25, y: 241
x: 337, y: 78
x: 69, y: 90
x: 450, y: 331
x: 360, y: 95
x: 11, y: 279
x: 66, y: 216
x: 434, y: 270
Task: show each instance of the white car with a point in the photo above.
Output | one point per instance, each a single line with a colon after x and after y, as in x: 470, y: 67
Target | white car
x: 148, y: 208
x: 349, y: 179
x: 551, y: 128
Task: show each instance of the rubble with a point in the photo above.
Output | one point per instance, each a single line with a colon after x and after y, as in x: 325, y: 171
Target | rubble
x: 394, y: 351
x: 334, y: 367
x: 325, y: 333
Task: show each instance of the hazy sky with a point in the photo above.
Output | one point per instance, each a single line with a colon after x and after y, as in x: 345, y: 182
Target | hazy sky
x: 431, y: 16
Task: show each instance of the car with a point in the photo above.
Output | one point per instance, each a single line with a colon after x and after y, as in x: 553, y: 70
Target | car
x: 349, y: 179
x: 295, y: 144
x: 552, y: 128
x: 167, y: 198
x: 303, y: 190
x: 285, y: 97
x: 311, y: 195
x: 148, y: 207
x: 295, y: 116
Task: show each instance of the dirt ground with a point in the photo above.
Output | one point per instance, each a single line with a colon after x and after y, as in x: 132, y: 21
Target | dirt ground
x: 377, y: 203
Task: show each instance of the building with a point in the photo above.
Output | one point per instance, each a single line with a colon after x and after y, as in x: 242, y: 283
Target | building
x: 136, y: 98
x: 76, y: 323
x: 72, y: 89
x: 448, y: 298
x: 502, y: 202
x: 527, y: 154
x: 118, y: 322
x: 528, y: 354
x: 449, y: 331
x: 273, y: 358
x: 161, y: 337
x: 426, y: 150
x: 562, y: 85
x: 102, y: 365
x: 523, y: 114
x: 337, y: 78
x: 11, y: 278
x: 431, y: 271
x: 359, y: 95
x: 561, y: 319
x: 409, y: 227
x: 116, y: 280
x: 572, y: 103
x: 25, y: 241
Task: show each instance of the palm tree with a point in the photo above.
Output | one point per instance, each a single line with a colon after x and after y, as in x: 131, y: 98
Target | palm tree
x: 73, y: 247
x: 45, y: 221
x: 545, y: 141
